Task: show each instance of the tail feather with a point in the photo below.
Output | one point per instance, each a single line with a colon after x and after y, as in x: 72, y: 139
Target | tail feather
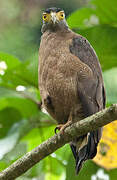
x: 88, y: 151
x: 81, y: 158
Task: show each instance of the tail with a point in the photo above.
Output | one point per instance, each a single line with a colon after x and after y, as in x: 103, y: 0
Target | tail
x: 85, y: 151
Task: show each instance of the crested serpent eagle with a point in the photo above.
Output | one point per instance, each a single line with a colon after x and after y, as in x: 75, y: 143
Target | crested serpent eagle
x: 70, y: 81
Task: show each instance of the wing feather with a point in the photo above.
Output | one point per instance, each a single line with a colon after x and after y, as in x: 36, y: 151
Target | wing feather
x: 91, y: 90
x: 91, y: 93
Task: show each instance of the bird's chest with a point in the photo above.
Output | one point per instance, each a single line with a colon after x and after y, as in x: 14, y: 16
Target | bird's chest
x: 57, y: 77
x: 56, y: 74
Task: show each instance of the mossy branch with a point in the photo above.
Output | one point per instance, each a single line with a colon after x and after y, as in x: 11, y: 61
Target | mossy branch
x: 52, y: 144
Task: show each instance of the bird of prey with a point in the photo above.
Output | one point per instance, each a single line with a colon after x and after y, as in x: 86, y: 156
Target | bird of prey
x: 70, y: 80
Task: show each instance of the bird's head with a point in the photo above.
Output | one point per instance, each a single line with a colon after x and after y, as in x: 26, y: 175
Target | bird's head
x: 54, y: 19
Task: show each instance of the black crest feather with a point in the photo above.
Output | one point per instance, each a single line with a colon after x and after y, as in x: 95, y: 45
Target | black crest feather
x: 53, y: 9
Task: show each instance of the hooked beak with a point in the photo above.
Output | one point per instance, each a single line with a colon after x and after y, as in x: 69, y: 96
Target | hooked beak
x: 53, y: 17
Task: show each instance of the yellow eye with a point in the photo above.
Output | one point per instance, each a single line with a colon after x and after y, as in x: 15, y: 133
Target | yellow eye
x: 45, y: 17
x: 61, y: 15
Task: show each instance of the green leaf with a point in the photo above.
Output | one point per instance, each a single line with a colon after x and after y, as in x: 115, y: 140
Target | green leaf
x: 10, y: 60
x: 8, y: 117
x: 8, y: 142
x: 104, y: 41
x: 37, y: 135
x: 9, y: 149
x: 52, y: 176
x: 19, y: 73
x: 106, y: 11
x: 16, y: 152
x: 18, y: 40
x: 80, y: 18
x: 10, y: 98
x: 28, y: 71
x: 87, y: 170
x: 3, y: 165
x: 110, y: 80
x: 98, y: 12
x: 25, y: 74
x: 113, y: 174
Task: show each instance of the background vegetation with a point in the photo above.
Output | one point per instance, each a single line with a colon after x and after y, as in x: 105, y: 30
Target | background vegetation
x: 22, y: 125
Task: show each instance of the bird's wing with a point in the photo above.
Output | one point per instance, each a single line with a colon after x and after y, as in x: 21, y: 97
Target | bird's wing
x: 91, y: 93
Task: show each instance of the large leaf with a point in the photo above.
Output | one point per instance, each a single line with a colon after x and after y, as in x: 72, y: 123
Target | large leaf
x: 82, y: 18
x: 25, y: 74
x: 14, y: 72
x: 37, y: 136
x: 10, y: 98
x: 110, y: 80
x: 10, y: 60
x: 8, y: 117
x: 7, y: 143
x: 18, y: 40
x: 98, y: 12
x: 89, y: 171
x: 104, y: 41
x: 28, y: 71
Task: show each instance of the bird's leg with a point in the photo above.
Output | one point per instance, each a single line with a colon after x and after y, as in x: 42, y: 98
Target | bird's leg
x: 62, y: 127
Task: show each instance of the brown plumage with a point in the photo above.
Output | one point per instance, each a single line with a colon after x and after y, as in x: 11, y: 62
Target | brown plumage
x: 70, y: 80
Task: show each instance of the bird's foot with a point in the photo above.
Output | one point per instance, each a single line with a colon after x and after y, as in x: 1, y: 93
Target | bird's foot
x: 62, y: 127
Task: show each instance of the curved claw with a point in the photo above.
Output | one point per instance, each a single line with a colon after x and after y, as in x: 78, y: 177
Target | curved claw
x: 55, y: 130
x: 62, y: 127
x: 59, y: 127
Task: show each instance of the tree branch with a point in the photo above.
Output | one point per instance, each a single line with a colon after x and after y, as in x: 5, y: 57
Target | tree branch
x: 52, y: 144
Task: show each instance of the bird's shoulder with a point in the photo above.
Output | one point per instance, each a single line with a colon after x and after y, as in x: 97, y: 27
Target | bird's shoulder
x: 81, y: 48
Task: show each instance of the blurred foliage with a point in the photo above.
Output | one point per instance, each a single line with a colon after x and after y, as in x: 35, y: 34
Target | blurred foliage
x: 22, y: 125
x: 21, y: 24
